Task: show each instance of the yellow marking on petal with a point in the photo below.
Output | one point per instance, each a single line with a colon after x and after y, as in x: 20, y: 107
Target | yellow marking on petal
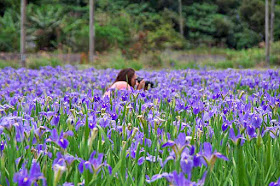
x: 25, y: 179
x: 61, y: 140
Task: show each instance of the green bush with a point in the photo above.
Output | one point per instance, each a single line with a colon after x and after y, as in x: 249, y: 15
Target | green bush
x: 125, y: 25
x: 252, y: 12
x: 36, y: 63
x: 13, y: 64
x: 118, y: 63
x: 175, y: 64
x: 246, y: 63
x: 9, y: 32
x: 247, y: 39
x: 108, y: 36
x: 137, y: 65
x: 200, y: 19
x: 45, y: 25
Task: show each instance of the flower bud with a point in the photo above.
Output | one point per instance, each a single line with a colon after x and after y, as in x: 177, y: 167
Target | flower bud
x: 129, y: 126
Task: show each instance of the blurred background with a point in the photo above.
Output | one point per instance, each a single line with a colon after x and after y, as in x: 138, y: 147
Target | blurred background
x: 150, y: 34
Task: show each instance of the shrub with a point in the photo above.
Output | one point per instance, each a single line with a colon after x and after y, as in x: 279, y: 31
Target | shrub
x: 13, y: 64
x: 9, y: 32
x: 36, y: 63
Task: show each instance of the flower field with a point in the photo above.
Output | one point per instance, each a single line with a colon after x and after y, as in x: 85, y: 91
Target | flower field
x: 195, y: 128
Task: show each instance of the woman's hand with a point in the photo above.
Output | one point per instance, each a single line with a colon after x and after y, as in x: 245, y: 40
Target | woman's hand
x: 141, y: 85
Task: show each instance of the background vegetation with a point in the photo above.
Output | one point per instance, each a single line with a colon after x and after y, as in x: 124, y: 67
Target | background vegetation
x: 135, y: 28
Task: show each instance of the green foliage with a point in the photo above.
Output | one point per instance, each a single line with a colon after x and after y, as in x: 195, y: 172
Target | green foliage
x: 277, y: 24
x: 36, y: 63
x: 200, y: 22
x: 252, y: 12
x: 156, y: 60
x: 275, y: 54
x: 9, y: 32
x: 228, y: 6
x: 161, y: 33
x: 164, y: 37
x: 125, y: 26
x: 63, y: 24
x: 5, y: 4
x: 247, y: 39
x: 13, y: 64
x: 45, y: 25
x: 183, y: 65
x: 118, y: 62
x: 108, y: 36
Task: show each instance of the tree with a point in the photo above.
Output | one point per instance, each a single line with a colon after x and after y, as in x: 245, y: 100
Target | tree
x: 91, y: 30
x: 267, y: 32
x: 22, y: 33
x: 272, y: 21
x: 181, y: 18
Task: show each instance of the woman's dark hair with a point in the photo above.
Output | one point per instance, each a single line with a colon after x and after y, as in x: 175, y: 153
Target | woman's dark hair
x: 125, y: 75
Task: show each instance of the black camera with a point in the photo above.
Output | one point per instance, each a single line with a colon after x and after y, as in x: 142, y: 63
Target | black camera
x: 147, y: 83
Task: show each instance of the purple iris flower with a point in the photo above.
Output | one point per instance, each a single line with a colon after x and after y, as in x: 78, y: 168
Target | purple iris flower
x: 196, y: 110
x: 2, y: 146
x: 79, y: 124
x: 256, y: 121
x: 178, y: 145
x: 251, y: 131
x: 150, y: 158
x: 114, y: 116
x: 8, y: 122
x: 236, y: 139
x: 105, y: 121
x: 277, y: 183
x: 166, y: 175
x: 196, y: 161
x: 273, y: 131
x: 55, y: 120
x: 224, y: 126
x: 23, y: 178
x: 49, y: 115
x: 64, y: 159
x: 92, y: 121
x: 59, y: 140
x: 93, y: 164
x: 176, y: 179
x: 187, y: 166
x: 209, y: 156
x: 68, y: 184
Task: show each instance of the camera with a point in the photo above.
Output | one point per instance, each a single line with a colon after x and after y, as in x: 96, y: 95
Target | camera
x: 147, y: 83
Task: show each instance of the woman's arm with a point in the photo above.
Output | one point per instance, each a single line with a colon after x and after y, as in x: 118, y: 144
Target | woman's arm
x: 141, y: 85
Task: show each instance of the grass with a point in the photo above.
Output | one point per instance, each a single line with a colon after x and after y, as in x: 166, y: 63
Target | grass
x: 210, y: 58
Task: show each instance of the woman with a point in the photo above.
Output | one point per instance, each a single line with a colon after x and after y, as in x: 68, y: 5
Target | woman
x: 126, y: 79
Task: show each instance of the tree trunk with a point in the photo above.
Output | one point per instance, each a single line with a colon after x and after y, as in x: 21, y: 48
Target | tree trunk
x: 91, y: 30
x: 181, y: 18
x: 272, y: 21
x: 22, y: 33
x: 267, y: 32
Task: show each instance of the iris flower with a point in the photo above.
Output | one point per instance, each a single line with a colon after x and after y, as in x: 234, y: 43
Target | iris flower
x: 23, y: 178
x: 60, y: 140
x: 93, y: 164
x: 209, y: 156
x: 176, y: 179
x: 178, y: 145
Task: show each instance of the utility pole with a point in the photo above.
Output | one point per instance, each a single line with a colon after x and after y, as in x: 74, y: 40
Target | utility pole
x: 267, y: 59
x: 91, y: 31
x: 272, y: 21
x: 22, y: 33
x: 181, y: 18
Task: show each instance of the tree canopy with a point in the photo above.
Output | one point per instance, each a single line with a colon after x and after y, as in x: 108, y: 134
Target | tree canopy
x: 128, y: 24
